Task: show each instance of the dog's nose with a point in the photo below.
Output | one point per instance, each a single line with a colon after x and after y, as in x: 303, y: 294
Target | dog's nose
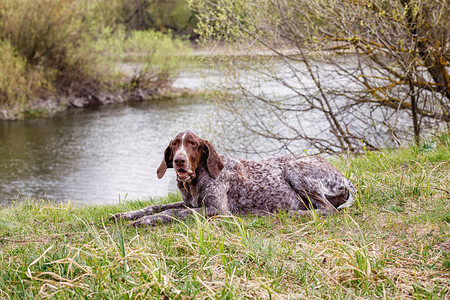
x: 180, y: 160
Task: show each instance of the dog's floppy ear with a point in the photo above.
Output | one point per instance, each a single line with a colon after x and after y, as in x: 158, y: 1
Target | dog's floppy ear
x: 166, y: 162
x: 213, y: 161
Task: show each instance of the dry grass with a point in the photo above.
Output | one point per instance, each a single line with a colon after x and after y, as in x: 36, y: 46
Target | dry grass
x: 393, y: 244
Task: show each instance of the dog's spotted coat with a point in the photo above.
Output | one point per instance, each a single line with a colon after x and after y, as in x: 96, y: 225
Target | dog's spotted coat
x: 212, y: 184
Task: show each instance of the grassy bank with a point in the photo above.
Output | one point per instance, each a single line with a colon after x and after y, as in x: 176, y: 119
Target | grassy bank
x: 394, y: 243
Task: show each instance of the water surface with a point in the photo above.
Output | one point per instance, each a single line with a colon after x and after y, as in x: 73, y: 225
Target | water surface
x: 101, y: 155
x: 95, y: 156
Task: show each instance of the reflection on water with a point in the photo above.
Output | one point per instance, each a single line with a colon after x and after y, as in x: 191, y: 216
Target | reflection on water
x: 96, y: 155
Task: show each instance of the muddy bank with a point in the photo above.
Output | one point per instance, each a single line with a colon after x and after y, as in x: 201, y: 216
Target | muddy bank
x: 51, y: 105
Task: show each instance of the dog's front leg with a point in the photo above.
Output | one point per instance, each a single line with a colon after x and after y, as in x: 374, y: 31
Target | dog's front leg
x: 136, y: 214
x: 171, y: 214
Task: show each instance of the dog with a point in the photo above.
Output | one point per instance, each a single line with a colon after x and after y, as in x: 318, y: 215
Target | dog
x: 212, y: 184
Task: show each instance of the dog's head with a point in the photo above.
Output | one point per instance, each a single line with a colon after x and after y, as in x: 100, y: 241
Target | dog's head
x: 186, y: 152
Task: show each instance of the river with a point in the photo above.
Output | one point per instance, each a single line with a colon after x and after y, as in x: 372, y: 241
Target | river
x: 111, y: 153
x: 97, y: 156
x: 100, y: 155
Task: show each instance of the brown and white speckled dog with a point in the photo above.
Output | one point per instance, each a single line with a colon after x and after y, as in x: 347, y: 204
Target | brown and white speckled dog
x: 212, y: 184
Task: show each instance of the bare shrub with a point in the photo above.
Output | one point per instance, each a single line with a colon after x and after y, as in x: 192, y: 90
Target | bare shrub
x: 332, y: 75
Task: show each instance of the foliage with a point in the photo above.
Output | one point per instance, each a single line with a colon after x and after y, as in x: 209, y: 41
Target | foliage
x: 154, y: 57
x: 160, y: 55
x: 52, y: 45
x: 72, y: 47
x: 17, y: 84
x: 354, y: 74
x: 160, y: 15
x: 54, y: 36
x: 393, y: 244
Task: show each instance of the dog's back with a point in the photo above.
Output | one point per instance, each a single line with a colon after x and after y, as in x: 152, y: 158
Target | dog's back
x: 283, y: 183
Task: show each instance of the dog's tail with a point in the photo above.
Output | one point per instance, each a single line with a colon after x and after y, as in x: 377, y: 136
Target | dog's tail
x: 351, y: 196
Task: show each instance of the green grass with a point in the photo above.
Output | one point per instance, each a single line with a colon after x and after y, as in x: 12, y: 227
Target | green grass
x: 394, y: 243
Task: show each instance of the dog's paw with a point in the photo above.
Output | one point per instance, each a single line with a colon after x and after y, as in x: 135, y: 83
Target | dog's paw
x: 150, y: 221
x: 122, y: 216
x: 134, y: 215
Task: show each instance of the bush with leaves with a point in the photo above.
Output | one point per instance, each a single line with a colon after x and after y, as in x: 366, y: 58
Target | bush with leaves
x: 159, y: 54
x: 71, y: 48
x: 17, y: 83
